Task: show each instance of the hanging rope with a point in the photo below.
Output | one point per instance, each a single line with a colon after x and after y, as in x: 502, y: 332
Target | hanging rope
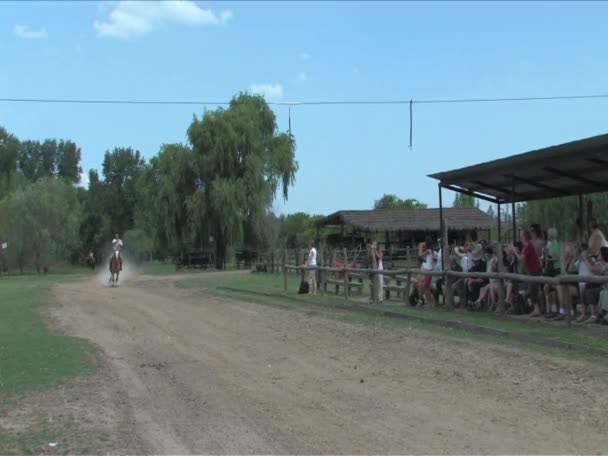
x: 411, y: 122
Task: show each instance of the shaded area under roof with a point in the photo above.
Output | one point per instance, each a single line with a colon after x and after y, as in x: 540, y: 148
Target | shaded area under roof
x: 380, y: 220
x: 574, y: 168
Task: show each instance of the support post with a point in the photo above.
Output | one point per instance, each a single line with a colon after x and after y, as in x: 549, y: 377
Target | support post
x: 501, y: 283
x: 513, y: 208
x: 448, y: 294
x: 565, y: 288
x: 406, y: 296
x: 499, y: 224
x: 345, y: 275
x: 285, y: 270
x: 320, y: 272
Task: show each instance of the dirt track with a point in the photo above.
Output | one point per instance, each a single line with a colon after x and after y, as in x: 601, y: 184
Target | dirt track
x: 191, y: 373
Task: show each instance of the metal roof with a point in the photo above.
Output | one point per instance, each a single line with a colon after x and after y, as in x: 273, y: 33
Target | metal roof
x: 379, y: 220
x: 573, y: 168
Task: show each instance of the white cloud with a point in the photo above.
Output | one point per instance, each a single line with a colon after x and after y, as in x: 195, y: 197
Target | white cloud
x: 24, y: 31
x: 272, y: 92
x: 305, y: 55
x: 302, y: 76
x: 136, y: 18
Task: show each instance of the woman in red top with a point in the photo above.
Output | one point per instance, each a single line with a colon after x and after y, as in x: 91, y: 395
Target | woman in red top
x: 530, y: 257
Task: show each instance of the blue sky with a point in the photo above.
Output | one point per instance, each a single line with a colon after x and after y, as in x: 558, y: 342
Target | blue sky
x: 309, y: 51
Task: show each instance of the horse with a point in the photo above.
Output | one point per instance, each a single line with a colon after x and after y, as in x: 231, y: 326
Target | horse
x: 114, y: 269
x: 90, y: 262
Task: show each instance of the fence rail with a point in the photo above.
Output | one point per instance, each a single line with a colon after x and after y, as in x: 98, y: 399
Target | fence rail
x: 408, y: 275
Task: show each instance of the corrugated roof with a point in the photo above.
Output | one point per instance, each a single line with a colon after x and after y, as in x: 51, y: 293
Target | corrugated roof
x: 411, y: 219
x: 573, y: 168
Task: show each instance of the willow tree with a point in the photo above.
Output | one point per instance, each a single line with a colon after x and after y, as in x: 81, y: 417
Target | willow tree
x: 163, y: 193
x: 242, y: 162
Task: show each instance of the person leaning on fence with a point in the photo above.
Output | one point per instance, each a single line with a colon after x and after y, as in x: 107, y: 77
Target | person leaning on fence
x: 510, y: 262
x: 532, y: 262
x: 311, y: 262
x: 591, y: 296
x: 473, y: 286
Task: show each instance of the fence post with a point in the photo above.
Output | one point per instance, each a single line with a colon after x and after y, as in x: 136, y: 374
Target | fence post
x: 285, y: 270
x: 345, y: 276
x: 501, y: 282
x: 406, y: 295
x: 565, y: 288
x: 321, y: 272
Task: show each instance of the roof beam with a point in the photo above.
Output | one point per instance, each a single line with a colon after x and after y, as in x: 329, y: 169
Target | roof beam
x: 474, y: 194
x: 538, y: 184
x: 499, y: 189
x: 598, y: 161
x: 576, y: 177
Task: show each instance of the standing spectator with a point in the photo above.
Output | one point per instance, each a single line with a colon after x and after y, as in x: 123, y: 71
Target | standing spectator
x: 379, y: 277
x: 425, y: 254
x: 311, y: 262
x: 597, y: 239
x: 530, y: 258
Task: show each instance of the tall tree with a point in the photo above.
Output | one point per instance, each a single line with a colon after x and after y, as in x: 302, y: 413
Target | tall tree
x: 68, y: 161
x: 462, y: 200
x: 9, y: 153
x: 163, y: 193
x: 389, y: 201
x: 242, y: 162
x: 121, y: 169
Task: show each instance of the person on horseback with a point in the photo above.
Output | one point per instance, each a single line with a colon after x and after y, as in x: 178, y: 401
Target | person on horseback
x: 116, y: 246
x: 90, y: 260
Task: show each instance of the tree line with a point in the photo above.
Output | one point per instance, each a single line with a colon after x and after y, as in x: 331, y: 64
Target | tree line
x: 216, y: 192
x: 213, y: 193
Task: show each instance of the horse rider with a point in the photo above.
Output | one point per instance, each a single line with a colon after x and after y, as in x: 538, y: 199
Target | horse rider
x: 90, y: 259
x: 116, y: 246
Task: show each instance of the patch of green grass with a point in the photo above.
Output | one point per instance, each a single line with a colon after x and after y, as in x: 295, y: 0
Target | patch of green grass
x: 271, y: 286
x: 31, y: 356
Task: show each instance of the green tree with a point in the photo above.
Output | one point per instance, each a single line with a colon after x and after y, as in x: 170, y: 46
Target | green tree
x: 462, y: 200
x: 121, y: 169
x: 389, y: 201
x: 41, y: 222
x: 298, y: 229
x: 163, y: 193
x: 242, y: 162
x: 68, y: 161
x: 9, y: 154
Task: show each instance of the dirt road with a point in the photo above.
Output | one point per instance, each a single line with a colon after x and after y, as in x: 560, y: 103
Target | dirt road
x: 190, y: 373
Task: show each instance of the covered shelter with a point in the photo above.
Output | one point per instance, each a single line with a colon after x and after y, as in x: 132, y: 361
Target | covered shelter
x: 573, y: 168
x: 404, y: 227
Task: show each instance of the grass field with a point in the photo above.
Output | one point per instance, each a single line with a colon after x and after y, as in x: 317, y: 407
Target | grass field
x: 31, y: 356
x: 268, y: 289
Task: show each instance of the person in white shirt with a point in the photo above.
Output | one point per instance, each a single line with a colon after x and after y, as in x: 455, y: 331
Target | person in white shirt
x: 311, y: 262
x: 116, y: 246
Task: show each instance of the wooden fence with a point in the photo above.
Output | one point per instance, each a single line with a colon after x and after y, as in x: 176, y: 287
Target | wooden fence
x: 394, y: 258
x: 343, y: 277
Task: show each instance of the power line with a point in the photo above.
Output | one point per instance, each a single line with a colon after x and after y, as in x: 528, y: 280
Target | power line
x: 302, y: 103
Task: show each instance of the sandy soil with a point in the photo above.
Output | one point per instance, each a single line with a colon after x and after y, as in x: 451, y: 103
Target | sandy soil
x: 186, y: 372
